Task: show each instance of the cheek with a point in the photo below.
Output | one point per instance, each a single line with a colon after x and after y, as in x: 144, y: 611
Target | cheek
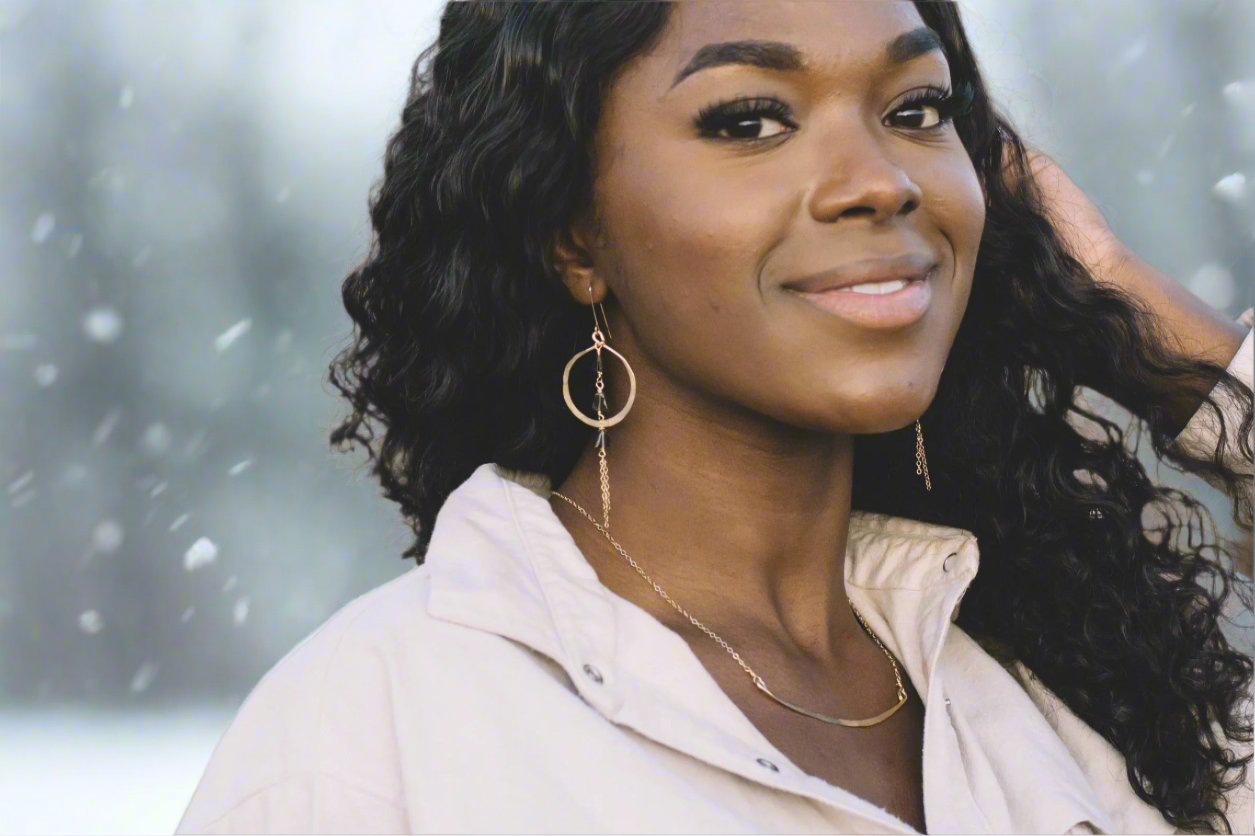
x: 958, y: 209
x: 687, y: 262
x: 689, y: 241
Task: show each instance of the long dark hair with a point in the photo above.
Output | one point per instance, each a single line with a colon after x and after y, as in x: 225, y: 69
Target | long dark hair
x: 462, y: 329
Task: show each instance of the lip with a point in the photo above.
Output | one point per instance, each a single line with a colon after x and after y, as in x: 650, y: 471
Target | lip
x: 908, y: 266
x: 887, y: 310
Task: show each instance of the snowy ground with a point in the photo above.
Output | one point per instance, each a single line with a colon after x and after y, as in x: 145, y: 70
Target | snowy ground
x: 81, y: 771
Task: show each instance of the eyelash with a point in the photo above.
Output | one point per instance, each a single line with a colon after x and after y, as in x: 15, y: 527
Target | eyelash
x: 725, y: 114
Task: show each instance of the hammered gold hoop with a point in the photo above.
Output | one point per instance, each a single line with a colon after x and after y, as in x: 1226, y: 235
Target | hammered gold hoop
x: 593, y: 422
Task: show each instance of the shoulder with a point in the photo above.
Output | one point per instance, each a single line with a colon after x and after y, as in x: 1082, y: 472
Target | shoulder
x: 1104, y: 765
x: 343, y: 662
x: 322, y: 722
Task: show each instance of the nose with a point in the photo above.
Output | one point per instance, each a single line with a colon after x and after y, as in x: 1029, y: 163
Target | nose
x: 862, y: 180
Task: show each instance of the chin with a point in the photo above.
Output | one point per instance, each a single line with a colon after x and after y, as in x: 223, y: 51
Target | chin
x: 885, y: 412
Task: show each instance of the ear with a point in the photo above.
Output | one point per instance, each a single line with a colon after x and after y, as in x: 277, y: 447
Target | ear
x: 571, y: 251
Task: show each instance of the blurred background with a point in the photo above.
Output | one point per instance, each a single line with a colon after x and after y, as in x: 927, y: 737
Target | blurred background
x: 184, y: 187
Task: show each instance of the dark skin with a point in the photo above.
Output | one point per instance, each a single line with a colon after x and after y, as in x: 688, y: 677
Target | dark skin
x: 746, y: 392
x: 750, y: 391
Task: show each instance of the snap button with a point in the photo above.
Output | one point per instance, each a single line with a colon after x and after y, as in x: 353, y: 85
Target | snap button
x: 945, y: 564
x: 947, y: 700
x: 593, y: 673
x: 768, y: 764
x: 1096, y: 514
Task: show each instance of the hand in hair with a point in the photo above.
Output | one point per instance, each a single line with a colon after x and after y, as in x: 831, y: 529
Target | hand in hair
x: 1188, y: 324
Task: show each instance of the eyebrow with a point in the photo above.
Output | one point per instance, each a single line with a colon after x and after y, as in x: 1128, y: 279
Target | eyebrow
x: 777, y: 55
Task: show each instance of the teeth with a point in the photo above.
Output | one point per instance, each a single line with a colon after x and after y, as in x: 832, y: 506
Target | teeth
x: 877, y: 288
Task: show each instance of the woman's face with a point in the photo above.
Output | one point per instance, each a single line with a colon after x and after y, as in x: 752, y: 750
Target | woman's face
x: 708, y: 217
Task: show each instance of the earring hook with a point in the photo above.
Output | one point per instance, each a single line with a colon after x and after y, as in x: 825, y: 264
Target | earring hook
x: 597, y: 305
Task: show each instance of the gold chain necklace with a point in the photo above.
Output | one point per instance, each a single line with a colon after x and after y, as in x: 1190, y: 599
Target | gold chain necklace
x: 758, y: 680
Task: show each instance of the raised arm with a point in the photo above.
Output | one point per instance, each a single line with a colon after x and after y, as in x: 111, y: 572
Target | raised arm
x: 1191, y: 325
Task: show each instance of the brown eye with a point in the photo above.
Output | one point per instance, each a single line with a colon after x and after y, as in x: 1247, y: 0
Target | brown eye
x: 923, y: 109
x: 945, y: 104
x: 742, y: 120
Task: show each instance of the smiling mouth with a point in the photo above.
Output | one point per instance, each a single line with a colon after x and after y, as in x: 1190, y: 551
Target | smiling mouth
x: 906, y: 266
x: 876, y: 288
x: 885, y: 304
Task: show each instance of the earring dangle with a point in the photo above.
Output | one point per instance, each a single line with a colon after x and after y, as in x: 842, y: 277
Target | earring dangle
x: 601, y: 422
x: 921, y: 463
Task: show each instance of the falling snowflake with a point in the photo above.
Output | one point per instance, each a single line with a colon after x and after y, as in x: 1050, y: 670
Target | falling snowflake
x: 230, y: 583
x: 1238, y: 92
x: 90, y: 622
x: 240, y: 467
x: 44, y: 225
x: 102, y: 325
x: 109, y: 177
x: 201, y: 553
x: 21, y: 481
x: 1166, y: 146
x: 143, y: 677
x: 179, y: 520
x: 187, y: 614
x: 282, y: 195
x: 45, y: 375
x: 74, y: 474
x: 105, y: 428
x: 156, y: 439
x: 1231, y: 189
x: 107, y: 538
x: 127, y: 97
x: 224, y: 340
x: 1132, y: 52
x: 240, y: 612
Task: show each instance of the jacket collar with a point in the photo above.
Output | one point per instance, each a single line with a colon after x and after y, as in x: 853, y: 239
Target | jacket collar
x: 529, y: 581
x: 501, y: 561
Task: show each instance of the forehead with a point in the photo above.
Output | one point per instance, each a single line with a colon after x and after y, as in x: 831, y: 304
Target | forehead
x: 834, y: 37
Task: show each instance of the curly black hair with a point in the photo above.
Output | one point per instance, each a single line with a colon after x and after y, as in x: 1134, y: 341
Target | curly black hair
x: 462, y: 328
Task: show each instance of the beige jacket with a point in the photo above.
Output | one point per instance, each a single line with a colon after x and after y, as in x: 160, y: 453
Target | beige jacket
x: 500, y: 688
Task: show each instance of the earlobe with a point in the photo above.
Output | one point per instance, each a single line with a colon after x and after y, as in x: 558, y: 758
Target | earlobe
x: 573, y: 263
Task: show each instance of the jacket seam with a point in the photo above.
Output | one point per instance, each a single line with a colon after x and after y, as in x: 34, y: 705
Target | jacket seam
x: 289, y: 776
x: 967, y: 784
x: 322, y: 701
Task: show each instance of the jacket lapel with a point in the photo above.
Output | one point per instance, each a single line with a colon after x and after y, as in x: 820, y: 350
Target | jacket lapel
x: 501, y: 561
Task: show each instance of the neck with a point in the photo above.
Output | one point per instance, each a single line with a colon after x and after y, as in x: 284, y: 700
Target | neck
x: 743, y: 522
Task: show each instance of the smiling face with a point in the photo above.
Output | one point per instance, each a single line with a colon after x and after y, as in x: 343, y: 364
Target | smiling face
x: 726, y: 172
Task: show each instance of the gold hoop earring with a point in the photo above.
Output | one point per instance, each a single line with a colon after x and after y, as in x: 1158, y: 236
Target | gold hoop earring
x: 601, y: 422
x: 921, y: 463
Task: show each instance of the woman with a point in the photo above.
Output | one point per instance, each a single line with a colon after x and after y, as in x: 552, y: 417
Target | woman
x: 708, y: 577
